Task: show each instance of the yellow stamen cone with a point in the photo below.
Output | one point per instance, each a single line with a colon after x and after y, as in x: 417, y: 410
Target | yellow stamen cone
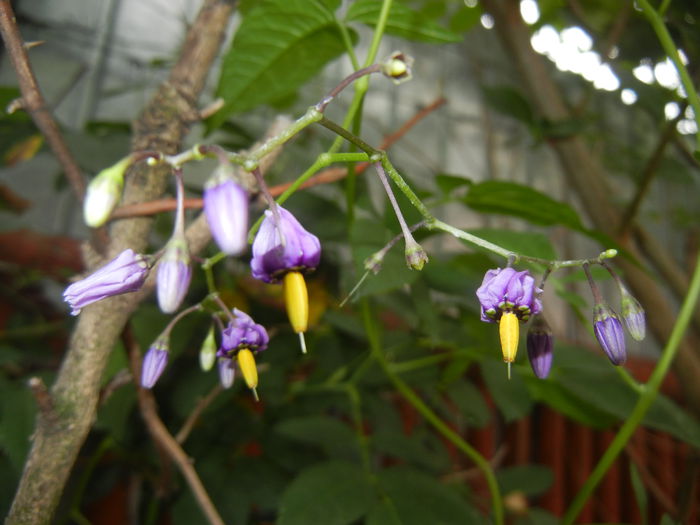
x: 509, y: 330
x: 246, y: 362
x: 296, y: 299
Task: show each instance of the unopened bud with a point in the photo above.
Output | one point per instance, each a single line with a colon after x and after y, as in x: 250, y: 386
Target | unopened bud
x: 632, y: 314
x: 104, y: 192
x: 540, y: 346
x: 207, y: 354
x: 398, y: 67
x: 154, y: 362
x: 415, y: 256
x: 608, y: 331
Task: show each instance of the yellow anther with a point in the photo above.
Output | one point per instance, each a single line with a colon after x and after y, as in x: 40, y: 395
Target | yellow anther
x: 296, y: 299
x: 246, y: 363
x: 509, y: 330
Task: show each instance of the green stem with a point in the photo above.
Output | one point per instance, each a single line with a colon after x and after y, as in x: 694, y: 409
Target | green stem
x: 207, y: 266
x: 378, y: 32
x: 322, y: 161
x: 312, y: 115
x: 645, y: 400
x: 430, y: 416
x: 347, y: 42
x: 405, y: 188
x: 473, y: 239
x: 356, y: 413
x: 671, y: 50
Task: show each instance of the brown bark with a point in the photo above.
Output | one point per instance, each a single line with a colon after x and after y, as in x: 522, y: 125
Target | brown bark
x: 585, y: 174
x: 162, y: 126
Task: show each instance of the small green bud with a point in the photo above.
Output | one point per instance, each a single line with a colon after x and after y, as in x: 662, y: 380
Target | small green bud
x: 104, y: 192
x: 398, y: 67
x: 415, y: 256
x: 207, y: 353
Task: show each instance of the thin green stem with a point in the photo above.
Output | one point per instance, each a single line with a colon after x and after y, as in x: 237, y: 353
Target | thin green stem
x: 405, y: 188
x: 473, y: 239
x: 312, y: 115
x: 372, y: 331
x: 207, y: 266
x: 378, y: 32
x: 347, y: 42
x: 657, y: 23
x: 645, y: 400
x: 349, y: 136
x: 322, y: 161
x: 356, y: 413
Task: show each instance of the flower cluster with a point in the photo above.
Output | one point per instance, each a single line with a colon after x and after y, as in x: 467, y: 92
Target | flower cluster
x: 510, y: 298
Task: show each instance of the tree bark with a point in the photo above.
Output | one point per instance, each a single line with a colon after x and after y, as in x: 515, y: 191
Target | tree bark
x: 585, y: 174
x: 163, y: 124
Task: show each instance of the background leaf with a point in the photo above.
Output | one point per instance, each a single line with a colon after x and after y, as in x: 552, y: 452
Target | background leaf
x: 279, y: 46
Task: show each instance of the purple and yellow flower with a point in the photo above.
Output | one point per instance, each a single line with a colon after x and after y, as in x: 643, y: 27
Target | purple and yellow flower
x: 226, y: 209
x: 540, y: 346
x: 241, y: 338
x: 174, y: 275
x: 508, y: 297
x: 154, y: 362
x: 284, y: 251
x: 125, y: 273
x: 608, y: 330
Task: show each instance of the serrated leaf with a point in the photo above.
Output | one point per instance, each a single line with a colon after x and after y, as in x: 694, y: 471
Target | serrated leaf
x: 402, y: 22
x: 417, y: 499
x: 517, y: 200
x: 278, y: 47
x: 333, y: 493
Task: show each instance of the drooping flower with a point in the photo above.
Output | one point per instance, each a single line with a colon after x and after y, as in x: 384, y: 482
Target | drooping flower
x: 174, y: 275
x: 241, y: 339
x: 284, y: 250
x: 508, y: 297
x: 226, y: 209
x: 608, y: 331
x: 103, y: 193
x: 540, y: 346
x: 125, y: 273
x: 154, y: 362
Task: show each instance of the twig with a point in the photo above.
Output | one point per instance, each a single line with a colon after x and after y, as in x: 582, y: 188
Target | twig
x: 201, y: 406
x: 325, y: 177
x: 33, y: 101
x: 43, y: 399
x: 160, y: 434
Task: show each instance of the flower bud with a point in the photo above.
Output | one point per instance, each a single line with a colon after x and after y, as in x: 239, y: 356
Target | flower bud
x: 154, y: 362
x: 608, y: 331
x: 398, y: 67
x: 540, y: 346
x: 226, y: 209
x: 174, y: 274
x: 103, y: 193
x: 125, y: 273
x: 415, y: 256
x: 226, y: 372
x: 207, y: 354
x: 632, y: 314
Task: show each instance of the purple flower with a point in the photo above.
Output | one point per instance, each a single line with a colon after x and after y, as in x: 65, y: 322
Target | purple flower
x: 278, y: 250
x: 241, y: 333
x: 608, y: 331
x: 125, y: 273
x: 226, y: 371
x: 174, y: 275
x: 226, y: 209
x: 506, y: 290
x: 154, y: 363
x: 540, y: 347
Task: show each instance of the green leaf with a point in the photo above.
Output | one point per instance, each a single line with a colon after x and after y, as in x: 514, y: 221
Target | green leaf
x: 402, y: 22
x: 533, y: 244
x: 417, y: 499
x: 517, y: 200
x: 17, y: 411
x: 448, y: 183
x: 640, y: 492
x: 333, y: 493
x: 336, y: 438
x: 279, y: 46
x: 532, y: 480
x: 537, y: 517
x: 470, y: 403
x: 421, y: 448
x: 511, y: 395
x: 510, y: 102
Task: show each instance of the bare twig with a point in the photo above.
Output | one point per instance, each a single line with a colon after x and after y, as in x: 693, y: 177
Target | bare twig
x: 33, y: 101
x: 160, y: 434
x: 192, y: 419
x: 325, y: 177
